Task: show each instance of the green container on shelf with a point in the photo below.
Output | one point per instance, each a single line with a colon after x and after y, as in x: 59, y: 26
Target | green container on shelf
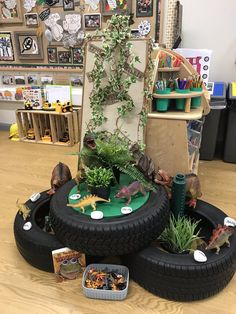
x: 196, y: 101
x: 180, y: 102
x: 162, y: 104
x: 178, y: 195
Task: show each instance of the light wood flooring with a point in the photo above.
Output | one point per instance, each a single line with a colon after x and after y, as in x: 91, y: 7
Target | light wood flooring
x: 26, y: 168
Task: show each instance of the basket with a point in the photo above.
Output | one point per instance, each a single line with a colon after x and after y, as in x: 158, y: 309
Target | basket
x: 106, y: 294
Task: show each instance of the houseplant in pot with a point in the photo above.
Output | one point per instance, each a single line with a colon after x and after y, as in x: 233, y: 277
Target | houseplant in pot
x: 99, y: 180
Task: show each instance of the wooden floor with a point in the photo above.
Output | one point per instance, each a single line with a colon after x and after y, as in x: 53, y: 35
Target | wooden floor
x: 26, y: 168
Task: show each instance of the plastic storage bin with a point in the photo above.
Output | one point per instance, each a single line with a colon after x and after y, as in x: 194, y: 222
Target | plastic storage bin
x: 106, y: 294
x: 230, y: 147
x: 210, y: 131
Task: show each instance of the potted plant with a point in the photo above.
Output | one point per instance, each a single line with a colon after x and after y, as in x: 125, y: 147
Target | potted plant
x: 180, y: 235
x: 98, y: 181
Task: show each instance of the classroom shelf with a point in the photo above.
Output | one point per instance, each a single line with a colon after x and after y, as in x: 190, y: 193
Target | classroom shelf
x: 194, y: 114
x: 174, y: 95
x: 176, y: 69
x: 57, y: 123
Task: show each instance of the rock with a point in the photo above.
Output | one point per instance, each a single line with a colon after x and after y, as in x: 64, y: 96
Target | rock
x: 126, y: 210
x: 27, y: 226
x: 199, y: 256
x: 229, y: 222
x: 97, y: 214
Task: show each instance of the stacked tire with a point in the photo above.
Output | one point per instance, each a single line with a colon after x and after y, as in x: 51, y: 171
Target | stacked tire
x: 171, y: 276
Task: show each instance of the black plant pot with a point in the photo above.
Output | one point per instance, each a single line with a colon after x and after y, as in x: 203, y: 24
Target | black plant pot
x: 116, y: 173
x: 103, y: 192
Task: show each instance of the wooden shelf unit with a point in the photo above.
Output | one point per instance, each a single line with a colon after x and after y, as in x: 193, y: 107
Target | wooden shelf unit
x: 175, y: 95
x: 57, y: 123
x: 166, y: 133
x: 176, y: 69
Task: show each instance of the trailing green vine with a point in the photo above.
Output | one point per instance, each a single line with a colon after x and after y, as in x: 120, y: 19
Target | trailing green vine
x: 116, y: 51
x: 148, y: 88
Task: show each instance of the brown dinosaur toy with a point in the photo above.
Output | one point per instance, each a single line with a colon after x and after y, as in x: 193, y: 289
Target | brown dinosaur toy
x: 88, y: 200
x: 193, y: 187
x: 219, y: 237
x: 60, y: 175
x: 128, y: 191
x: 143, y: 162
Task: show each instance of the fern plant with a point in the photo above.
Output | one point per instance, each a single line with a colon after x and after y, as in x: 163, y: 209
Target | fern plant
x: 135, y: 174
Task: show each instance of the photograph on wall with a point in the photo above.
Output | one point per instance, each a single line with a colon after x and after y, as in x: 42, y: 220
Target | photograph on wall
x: 7, y: 80
x: 144, y: 8
x: 31, y: 19
x: 77, y: 56
x: 6, y: 48
x: 110, y: 7
x: 19, y: 79
x: 46, y: 80
x: 64, y: 57
x: 29, y: 45
x: 68, y: 5
x: 52, y: 55
x: 77, y: 81
x: 32, y: 79
x: 92, y: 21
x: 10, y: 11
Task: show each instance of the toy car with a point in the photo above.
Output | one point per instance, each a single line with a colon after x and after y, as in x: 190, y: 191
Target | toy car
x: 48, y: 106
x: 30, y: 134
x: 66, y: 107
x: 28, y: 105
x: 47, y: 136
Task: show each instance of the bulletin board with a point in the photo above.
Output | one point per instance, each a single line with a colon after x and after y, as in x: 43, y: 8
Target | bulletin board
x: 29, y: 23
x: 129, y: 124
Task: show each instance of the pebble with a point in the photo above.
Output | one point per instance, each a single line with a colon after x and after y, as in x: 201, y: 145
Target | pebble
x: 199, y: 256
x: 27, y: 226
x: 230, y: 222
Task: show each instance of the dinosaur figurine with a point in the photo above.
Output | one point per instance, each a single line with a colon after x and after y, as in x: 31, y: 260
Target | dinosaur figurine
x: 23, y: 210
x: 193, y: 187
x: 143, y: 162
x: 60, y: 175
x: 130, y: 190
x: 88, y: 200
x: 219, y: 237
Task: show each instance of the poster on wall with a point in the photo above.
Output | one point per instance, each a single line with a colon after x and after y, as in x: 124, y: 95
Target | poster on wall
x: 6, y: 48
x: 200, y: 60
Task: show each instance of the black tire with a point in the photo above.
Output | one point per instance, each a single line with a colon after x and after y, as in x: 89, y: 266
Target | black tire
x: 178, y: 277
x: 35, y: 245
x: 109, y: 236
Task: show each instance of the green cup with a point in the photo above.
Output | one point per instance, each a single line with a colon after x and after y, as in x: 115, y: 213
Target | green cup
x: 162, y: 104
x: 180, y: 102
x: 196, y: 101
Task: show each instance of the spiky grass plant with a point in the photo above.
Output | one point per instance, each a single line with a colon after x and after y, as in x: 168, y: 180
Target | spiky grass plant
x: 180, y: 234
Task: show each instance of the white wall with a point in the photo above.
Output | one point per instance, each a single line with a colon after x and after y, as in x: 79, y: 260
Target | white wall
x: 211, y: 24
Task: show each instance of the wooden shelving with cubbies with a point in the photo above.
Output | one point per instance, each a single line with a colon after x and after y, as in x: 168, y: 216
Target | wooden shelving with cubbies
x: 34, y: 124
x: 166, y: 132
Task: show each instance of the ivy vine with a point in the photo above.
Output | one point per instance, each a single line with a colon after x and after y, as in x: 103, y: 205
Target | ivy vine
x: 116, y: 51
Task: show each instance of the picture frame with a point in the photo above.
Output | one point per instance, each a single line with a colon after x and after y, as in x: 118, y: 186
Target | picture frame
x: 92, y: 21
x: 122, y: 6
x: 6, y: 47
x: 77, y: 56
x: 52, y: 55
x: 68, y: 5
x: 144, y: 8
x: 28, y: 45
x: 64, y: 57
x: 8, y: 15
x: 31, y: 19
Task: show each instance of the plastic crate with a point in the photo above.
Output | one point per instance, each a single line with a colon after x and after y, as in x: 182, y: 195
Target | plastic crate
x: 106, y: 294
